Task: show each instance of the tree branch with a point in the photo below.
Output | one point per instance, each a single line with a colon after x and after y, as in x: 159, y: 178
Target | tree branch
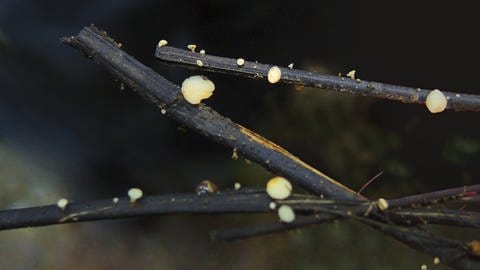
x: 456, y: 101
x: 104, y: 50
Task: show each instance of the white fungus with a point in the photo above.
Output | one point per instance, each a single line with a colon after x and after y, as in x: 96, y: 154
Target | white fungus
x: 202, y: 52
x: 423, y: 267
x: 286, y: 214
x: 62, y: 204
x: 272, y: 205
x: 199, y: 63
x: 135, y: 194
x: 290, y: 66
x: 351, y: 74
x: 162, y: 43
x: 382, y: 204
x: 196, y: 88
x: 237, y: 186
x: 274, y: 74
x: 115, y: 200
x: 240, y: 62
x: 436, y: 260
x: 191, y: 47
x: 279, y: 188
x: 436, y: 101
x: 163, y: 111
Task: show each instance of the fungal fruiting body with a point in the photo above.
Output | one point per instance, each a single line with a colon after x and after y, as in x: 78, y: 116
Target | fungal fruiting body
x: 240, y: 62
x: 286, y: 214
x: 162, y: 43
x: 382, y: 204
x: 202, y: 52
x: 423, y: 267
x: 62, y: 203
x: 351, y: 74
x: 135, y: 194
x: 206, y: 187
x: 436, y: 101
x: 196, y: 88
x: 199, y: 63
x: 237, y: 186
x: 274, y: 74
x: 279, y: 188
x: 290, y: 66
x: 115, y: 200
x: 272, y: 205
x: 191, y: 47
x: 436, y: 260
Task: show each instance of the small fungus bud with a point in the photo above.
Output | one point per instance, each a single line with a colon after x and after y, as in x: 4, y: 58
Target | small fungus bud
x: 436, y: 101
x: 191, y: 47
x: 240, y: 62
x: 423, y: 267
x: 279, y: 188
x: 162, y: 43
x: 274, y: 74
x: 237, y: 186
x: 286, y: 214
x: 290, y: 66
x: 436, y: 260
x: 199, y: 63
x: 196, y: 88
x: 62, y: 204
x: 351, y: 74
x: 272, y: 205
x: 202, y: 52
x: 115, y: 200
x: 382, y: 204
x: 135, y: 194
x: 206, y: 187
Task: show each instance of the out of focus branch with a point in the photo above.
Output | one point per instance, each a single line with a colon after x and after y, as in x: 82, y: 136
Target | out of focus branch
x: 456, y: 101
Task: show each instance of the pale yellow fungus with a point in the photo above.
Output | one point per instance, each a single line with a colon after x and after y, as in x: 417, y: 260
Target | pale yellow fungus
x: 272, y: 205
x: 382, y: 204
x: 135, y: 194
x: 115, y: 200
x: 62, y: 203
x: 191, y: 47
x: 162, y: 43
x: 202, y: 52
x: 351, y: 74
x: 196, y: 88
x: 163, y: 111
x: 274, y: 74
x: 240, y: 62
x: 279, y: 188
x: 234, y: 154
x: 436, y: 101
x: 286, y: 214
x: 199, y: 63
x: 423, y: 267
x: 237, y: 186
x: 436, y: 260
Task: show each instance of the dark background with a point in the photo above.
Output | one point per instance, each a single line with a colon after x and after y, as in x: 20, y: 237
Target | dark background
x: 67, y: 130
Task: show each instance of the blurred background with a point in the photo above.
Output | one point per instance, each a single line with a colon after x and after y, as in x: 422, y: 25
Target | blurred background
x: 68, y: 130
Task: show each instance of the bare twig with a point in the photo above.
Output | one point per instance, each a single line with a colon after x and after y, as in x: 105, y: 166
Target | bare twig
x: 456, y: 101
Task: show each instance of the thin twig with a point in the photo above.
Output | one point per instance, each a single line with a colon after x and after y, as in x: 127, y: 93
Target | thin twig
x: 456, y: 101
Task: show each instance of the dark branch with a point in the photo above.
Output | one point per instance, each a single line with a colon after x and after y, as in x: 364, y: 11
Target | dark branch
x: 104, y: 50
x: 456, y: 101
x: 203, y: 119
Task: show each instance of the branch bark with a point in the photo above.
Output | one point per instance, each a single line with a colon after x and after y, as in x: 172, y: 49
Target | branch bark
x: 456, y: 101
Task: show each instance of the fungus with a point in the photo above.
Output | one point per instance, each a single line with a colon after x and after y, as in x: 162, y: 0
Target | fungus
x: 199, y: 63
x: 202, y: 52
x: 351, y: 74
x: 423, y: 267
x: 196, y: 88
x: 162, y: 43
x: 436, y: 101
x: 382, y: 204
x: 237, y: 186
x: 290, y: 66
x: 274, y: 74
x: 279, y: 188
x: 206, y: 187
x: 436, y: 260
x: 272, y: 205
x: 115, y: 200
x: 135, y: 194
x: 240, y: 62
x: 286, y: 214
x: 191, y: 47
x: 62, y: 204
